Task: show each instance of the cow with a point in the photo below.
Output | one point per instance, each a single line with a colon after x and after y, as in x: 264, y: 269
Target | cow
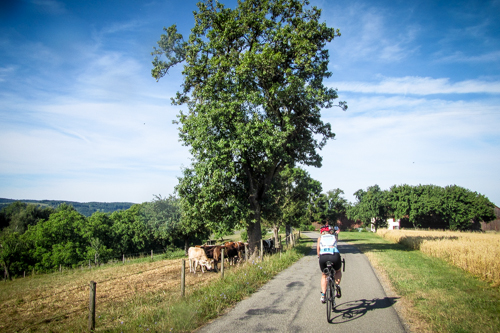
x: 198, y: 256
x: 231, y: 252
x: 269, y: 246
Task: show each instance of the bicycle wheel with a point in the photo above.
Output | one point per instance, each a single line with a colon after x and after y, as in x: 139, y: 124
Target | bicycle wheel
x: 330, y: 299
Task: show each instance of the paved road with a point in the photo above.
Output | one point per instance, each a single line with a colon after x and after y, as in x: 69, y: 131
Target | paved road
x: 291, y: 301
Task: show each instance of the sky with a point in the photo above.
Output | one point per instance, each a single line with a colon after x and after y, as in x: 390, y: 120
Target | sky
x: 81, y: 118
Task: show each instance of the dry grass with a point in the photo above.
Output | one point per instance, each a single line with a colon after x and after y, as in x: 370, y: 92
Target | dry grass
x: 476, y: 253
x: 32, y: 302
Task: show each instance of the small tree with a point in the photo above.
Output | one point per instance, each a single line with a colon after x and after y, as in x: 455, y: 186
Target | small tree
x: 372, y: 207
x: 290, y: 195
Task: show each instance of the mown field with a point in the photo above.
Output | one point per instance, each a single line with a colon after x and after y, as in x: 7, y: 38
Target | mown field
x: 138, y: 296
x: 445, y: 284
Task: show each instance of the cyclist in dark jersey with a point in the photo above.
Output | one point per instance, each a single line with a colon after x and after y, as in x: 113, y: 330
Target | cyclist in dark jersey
x: 326, y: 249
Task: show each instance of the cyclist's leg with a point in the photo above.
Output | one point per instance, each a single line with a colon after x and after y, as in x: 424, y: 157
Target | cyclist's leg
x: 337, y: 264
x: 323, y: 283
x: 338, y: 277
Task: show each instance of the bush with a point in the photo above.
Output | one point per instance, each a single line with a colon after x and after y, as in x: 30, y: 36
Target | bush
x: 311, y: 228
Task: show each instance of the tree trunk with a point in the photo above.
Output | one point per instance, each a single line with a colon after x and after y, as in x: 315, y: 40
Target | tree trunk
x: 186, y: 245
x: 6, y: 273
x: 254, y: 236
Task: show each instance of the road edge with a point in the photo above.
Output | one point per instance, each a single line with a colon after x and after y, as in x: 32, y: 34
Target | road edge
x: 389, y: 291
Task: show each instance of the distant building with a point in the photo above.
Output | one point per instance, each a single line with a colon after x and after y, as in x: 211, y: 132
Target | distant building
x: 392, y: 224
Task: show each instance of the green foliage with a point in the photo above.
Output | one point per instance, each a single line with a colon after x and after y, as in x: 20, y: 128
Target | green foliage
x: 372, y: 206
x: 328, y: 207
x: 423, y: 206
x: 19, y: 215
x: 253, y: 84
x: 452, y: 207
x: 11, y: 250
x: 289, y: 198
x: 57, y: 241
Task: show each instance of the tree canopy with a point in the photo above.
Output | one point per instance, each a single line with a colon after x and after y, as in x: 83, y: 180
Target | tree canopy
x: 253, y: 86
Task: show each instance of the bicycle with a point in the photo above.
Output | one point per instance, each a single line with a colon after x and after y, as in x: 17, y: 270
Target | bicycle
x: 332, y: 288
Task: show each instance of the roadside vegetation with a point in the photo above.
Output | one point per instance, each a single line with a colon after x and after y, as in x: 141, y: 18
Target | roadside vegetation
x: 436, y: 296
x: 141, y: 295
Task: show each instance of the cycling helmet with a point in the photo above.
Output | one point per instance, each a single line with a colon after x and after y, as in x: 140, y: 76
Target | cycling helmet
x: 325, y: 228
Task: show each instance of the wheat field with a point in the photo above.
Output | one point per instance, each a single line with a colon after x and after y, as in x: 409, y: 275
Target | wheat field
x: 477, y: 253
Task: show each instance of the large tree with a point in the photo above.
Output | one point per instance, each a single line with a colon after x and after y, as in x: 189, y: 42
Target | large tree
x: 253, y: 86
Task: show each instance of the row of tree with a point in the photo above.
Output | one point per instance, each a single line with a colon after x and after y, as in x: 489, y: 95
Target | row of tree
x: 423, y: 206
x: 45, y: 238
x: 85, y: 208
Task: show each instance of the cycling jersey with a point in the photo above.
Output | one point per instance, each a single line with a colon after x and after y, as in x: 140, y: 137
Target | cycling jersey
x: 328, y: 244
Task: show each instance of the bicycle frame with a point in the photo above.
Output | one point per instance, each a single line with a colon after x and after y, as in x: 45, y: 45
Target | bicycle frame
x: 331, y: 288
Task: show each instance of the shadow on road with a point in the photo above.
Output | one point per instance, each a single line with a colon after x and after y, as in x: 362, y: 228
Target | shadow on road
x: 353, y: 310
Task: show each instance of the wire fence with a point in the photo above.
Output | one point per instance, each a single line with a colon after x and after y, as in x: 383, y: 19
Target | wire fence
x: 48, y: 297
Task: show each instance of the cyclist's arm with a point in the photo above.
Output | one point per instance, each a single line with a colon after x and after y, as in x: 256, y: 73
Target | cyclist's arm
x: 317, y: 246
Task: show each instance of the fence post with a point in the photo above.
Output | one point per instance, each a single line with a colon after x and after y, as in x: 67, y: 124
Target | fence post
x: 124, y: 259
x: 60, y: 268
x: 151, y: 254
x: 222, y: 264
x: 246, y: 253
x: 261, y: 250
x: 89, y: 265
x: 92, y: 306
x: 183, y: 277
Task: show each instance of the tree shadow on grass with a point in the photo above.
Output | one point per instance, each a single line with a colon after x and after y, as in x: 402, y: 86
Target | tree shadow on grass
x: 374, y: 247
x: 353, y: 310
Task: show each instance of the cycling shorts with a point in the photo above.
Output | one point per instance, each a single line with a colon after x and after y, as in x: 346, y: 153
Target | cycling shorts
x: 335, y: 258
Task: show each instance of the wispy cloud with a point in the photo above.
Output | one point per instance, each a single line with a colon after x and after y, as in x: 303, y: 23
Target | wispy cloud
x: 367, y: 34
x: 461, y: 57
x: 394, y: 140
x: 411, y: 85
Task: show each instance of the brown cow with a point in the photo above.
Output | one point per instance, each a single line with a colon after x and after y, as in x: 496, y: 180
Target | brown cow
x: 197, y: 256
x: 235, y: 251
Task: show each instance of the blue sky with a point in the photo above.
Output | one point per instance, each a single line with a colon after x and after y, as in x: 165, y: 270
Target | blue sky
x: 82, y: 119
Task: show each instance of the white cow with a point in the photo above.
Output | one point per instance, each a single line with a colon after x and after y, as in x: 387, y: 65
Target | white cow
x: 197, y: 256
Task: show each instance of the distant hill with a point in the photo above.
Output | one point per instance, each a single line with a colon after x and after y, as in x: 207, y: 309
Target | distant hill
x: 84, y: 208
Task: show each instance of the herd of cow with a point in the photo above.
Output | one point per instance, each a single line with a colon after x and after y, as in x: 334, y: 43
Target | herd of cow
x: 209, y: 256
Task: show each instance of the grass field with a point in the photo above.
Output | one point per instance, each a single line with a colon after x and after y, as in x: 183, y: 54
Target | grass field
x: 436, y: 296
x: 138, y: 296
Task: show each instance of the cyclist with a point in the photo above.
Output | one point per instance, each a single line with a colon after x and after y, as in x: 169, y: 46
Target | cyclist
x: 326, y: 250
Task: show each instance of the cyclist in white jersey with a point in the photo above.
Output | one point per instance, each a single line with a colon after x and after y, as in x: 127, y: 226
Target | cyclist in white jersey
x: 327, y: 251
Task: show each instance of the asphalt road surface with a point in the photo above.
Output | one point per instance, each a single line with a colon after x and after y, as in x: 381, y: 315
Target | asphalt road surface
x: 290, y: 302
